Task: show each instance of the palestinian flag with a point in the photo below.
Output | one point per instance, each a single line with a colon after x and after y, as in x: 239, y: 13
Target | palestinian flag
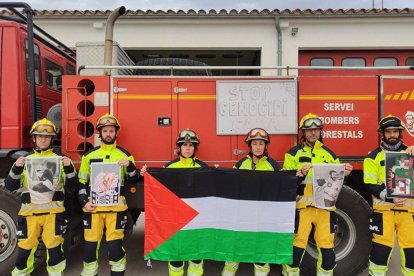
x: 219, y: 214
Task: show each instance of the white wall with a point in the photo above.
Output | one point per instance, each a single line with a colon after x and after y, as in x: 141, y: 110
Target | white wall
x: 240, y: 33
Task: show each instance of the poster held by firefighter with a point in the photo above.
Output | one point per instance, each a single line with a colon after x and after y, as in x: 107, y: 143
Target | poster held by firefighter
x: 399, y: 168
x: 105, y: 183
x: 327, y: 184
x: 43, y: 175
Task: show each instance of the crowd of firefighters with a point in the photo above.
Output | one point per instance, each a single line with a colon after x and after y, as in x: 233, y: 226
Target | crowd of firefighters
x: 389, y: 216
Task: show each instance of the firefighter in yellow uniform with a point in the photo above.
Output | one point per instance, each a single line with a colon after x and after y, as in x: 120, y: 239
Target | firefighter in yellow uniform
x: 300, y: 158
x: 111, y: 218
x: 42, y: 212
x: 257, y: 159
x: 187, y: 143
x: 390, y: 214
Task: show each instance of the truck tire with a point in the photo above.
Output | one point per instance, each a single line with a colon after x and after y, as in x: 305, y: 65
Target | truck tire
x: 171, y: 62
x: 352, y: 237
x: 9, y: 207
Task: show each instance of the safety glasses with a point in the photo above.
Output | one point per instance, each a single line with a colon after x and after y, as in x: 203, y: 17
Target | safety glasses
x: 312, y: 122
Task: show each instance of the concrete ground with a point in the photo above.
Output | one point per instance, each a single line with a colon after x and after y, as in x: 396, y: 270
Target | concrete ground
x: 138, y: 266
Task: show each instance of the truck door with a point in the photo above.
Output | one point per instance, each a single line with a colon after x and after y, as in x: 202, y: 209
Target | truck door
x: 196, y: 109
x: 144, y: 109
x: 397, y: 98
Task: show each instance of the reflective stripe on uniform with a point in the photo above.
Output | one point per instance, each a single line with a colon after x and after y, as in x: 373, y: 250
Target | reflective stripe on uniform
x: 370, y: 175
x: 41, y: 207
x: 407, y: 271
x: 379, y: 202
x: 83, y: 175
x: 290, y: 271
x: 377, y: 270
x: 131, y: 174
x: 230, y: 268
x: 71, y: 175
x: 57, y: 270
x: 29, y: 265
x: 120, y: 265
x: 14, y: 176
x: 90, y: 269
x: 261, y: 270
x: 83, y: 191
x: 195, y: 269
x: 175, y: 271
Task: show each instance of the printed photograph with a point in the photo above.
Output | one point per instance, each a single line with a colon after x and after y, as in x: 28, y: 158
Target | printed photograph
x: 399, y: 174
x: 105, y: 183
x: 327, y: 184
x: 43, y: 178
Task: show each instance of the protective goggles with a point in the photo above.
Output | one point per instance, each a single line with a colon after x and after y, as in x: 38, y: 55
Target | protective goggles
x: 258, y: 132
x: 45, y: 128
x: 312, y: 123
x: 107, y: 121
x: 187, y: 133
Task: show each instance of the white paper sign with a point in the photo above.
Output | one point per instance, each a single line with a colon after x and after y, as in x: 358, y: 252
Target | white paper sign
x: 43, y: 174
x: 269, y: 104
x: 105, y: 183
x: 327, y: 184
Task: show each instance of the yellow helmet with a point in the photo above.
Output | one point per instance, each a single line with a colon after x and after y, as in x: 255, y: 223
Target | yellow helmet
x: 390, y: 121
x: 311, y: 121
x: 107, y: 120
x: 43, y: 127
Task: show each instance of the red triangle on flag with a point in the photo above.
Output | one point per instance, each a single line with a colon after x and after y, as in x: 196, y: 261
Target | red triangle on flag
x: 165, y: 213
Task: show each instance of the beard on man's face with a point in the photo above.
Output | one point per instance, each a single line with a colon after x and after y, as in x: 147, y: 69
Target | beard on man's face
x: 108, y: 139
x: 391, y: 141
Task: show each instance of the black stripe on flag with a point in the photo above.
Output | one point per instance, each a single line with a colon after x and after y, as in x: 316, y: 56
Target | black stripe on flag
x: 229, y: 183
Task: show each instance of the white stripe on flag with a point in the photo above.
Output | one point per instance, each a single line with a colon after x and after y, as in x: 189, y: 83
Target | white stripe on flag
x: 242, y: 215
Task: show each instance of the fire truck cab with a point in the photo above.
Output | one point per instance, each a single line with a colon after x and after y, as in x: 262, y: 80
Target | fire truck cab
x: 32, y: 64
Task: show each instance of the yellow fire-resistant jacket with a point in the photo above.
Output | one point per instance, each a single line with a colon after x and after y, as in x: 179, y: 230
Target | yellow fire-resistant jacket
x: 185, y: 163
x: 265, y: 164
x: 18, y: 178
x: 106, y: 153
x: 374, y: 179
x: 302, y: 154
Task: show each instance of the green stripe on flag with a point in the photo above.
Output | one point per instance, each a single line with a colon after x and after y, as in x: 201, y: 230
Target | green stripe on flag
x: 218, y: 244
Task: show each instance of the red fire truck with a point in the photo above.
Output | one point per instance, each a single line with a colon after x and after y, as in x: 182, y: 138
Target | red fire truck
x: 32, y: 64
x: 153, y: 109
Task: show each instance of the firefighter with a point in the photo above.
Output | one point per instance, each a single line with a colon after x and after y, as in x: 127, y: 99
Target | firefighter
x: 44, y: 215
x: 187, y: 146
x: 390, y: 214
x: 310, y: 151
x: 111, y: 218
x: 257, y: 159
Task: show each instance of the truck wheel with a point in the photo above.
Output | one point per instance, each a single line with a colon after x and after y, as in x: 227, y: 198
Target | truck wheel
x: 9, y: 207
x: 352, y: 236
x: 171, y: 62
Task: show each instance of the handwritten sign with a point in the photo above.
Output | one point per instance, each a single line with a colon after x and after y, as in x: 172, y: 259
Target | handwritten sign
x: 269, y: 104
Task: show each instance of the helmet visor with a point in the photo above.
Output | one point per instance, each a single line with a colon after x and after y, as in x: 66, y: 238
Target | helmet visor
x: 312, y: 123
